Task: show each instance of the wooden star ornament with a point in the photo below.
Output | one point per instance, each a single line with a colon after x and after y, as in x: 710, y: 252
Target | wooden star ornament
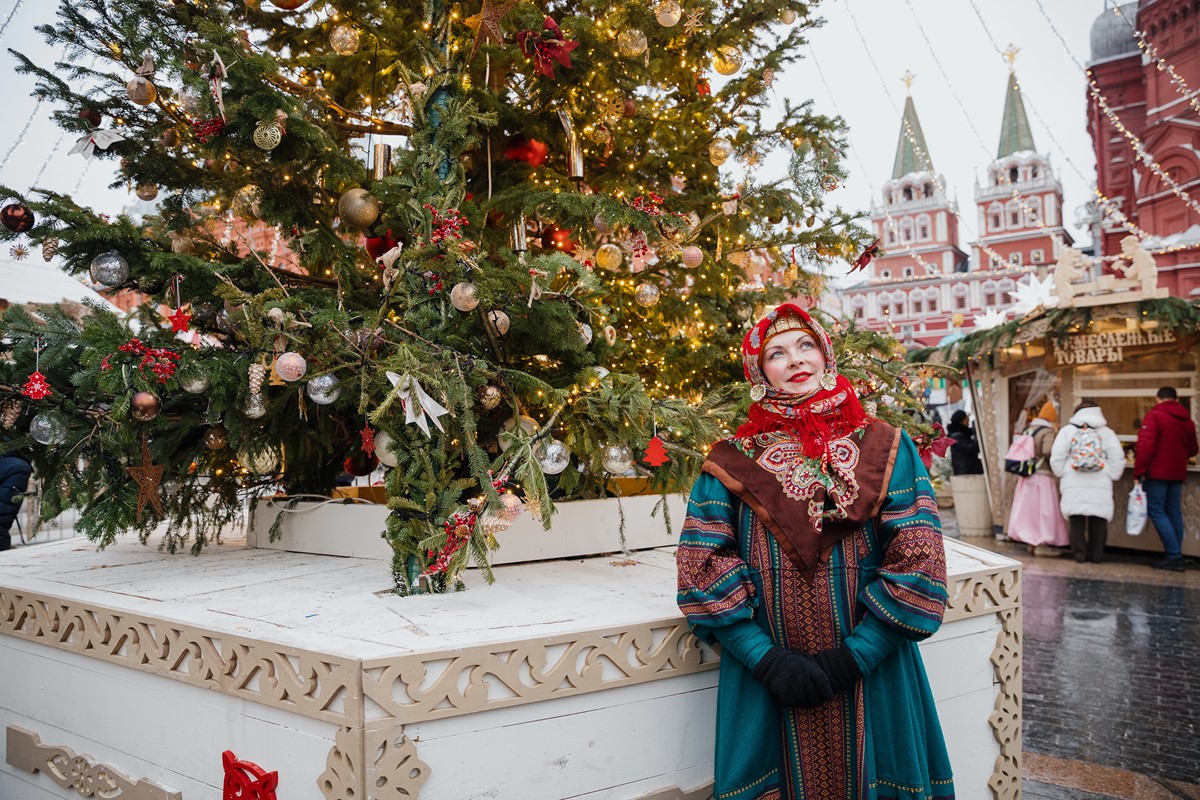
x: 148, y: 476
x: 486, y: 23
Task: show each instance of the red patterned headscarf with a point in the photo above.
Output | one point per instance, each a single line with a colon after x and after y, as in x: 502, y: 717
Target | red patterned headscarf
x: 817, y: 419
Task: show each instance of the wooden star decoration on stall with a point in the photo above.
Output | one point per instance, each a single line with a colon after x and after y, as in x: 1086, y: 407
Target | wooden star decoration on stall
x: 486, y: 23
x: 179, y: 321
x: 147, y: 477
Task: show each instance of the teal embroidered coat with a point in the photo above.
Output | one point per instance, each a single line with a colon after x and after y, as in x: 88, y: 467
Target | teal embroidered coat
x: 777, y: 551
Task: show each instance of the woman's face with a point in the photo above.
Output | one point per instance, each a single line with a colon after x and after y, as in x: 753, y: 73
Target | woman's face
x: 793, y: 362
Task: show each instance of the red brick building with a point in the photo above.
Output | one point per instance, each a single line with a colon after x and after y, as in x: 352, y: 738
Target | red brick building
x: 1152, y: 108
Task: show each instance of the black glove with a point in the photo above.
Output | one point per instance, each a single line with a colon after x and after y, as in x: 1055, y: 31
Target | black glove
x: 840, y: 667
x: 794, y: 678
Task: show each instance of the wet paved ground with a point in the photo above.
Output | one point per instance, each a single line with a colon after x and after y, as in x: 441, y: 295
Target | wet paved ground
x: 1111, y: 677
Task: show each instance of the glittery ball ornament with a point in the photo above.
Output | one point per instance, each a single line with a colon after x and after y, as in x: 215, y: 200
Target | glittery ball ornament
x: 609, y: 256
x: 601, y: 225
x: 255, y: 407
x: 146, y: 191
x: 507, y: 438
x: 268, y: 135
x: 631, y: 43
x: 646, y: 294
x: 552, y: 456
x: 616, y: 458
x: 259, y: 462
x: 585, y: 333
x: 358, y: 208
x: 692, y: 256
x: 719, y: 150
x: 727, y: 60
x: 323, y: 389
x: 668, y: 13
x: 291, y: 366
x: 109, y: 269
x: 463, y: 297
x: 490, y: 396
x: 499, y: 322
x: 144, y: 406
x: 511, y: 506
x: 344, y: 39
x: 194, y: 382
x: 385, y: 449
x: 215, y: 438
x: 47, y: 429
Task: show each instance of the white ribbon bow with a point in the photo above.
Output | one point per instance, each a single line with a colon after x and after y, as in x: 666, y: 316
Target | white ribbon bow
x: 417, y: 403
x: 88, y: 143
x: 217, y: 74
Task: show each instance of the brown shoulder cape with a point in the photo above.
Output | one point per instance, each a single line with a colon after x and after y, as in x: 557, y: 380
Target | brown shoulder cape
x: 806, y: 528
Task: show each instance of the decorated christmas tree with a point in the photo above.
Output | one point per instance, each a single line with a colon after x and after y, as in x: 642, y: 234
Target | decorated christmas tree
x: 492, y: 246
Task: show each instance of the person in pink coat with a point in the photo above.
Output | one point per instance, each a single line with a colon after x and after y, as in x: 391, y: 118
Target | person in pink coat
x: 1035, y: 518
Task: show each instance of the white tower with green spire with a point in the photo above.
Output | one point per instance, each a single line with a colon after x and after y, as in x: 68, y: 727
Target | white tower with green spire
x: 1020, y: 207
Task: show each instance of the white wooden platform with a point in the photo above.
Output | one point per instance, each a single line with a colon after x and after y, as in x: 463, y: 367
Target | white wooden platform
x: 572, y: 678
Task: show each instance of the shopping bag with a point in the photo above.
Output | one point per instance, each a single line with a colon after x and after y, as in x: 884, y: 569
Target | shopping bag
x: 1135, y: 512
x: 1020, y: 458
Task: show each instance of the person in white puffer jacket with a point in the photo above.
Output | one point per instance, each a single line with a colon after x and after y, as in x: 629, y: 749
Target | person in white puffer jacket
x: 1087, y: 496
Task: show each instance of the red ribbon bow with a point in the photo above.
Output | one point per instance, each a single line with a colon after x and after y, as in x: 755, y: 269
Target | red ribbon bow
x: 865, y: 258
x: 546, y: 47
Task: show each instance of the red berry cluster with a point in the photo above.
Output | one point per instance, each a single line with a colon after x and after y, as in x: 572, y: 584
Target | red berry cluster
x: 651, y: 205
x: 446, y: 225
x: 162, y: 362
x: 205, y: 129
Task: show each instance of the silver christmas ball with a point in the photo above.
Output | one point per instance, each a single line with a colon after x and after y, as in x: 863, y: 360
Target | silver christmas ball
x: 291, y: 366
x: 463, y: 297
x: 109, y: 269
x: 384, y: 445
x: 552, y: 456
x: 255, y: 407
x: 616, y: 458
x: 194, y: 382
x: 529, y: 426
x: 585, y: 333
x: 259, y: 462
x: 668, y: 13
x: 324, y: 389
x: 46, y: 428
x: 631, y: 43
x: 601, y: 225
x: 646, y: 294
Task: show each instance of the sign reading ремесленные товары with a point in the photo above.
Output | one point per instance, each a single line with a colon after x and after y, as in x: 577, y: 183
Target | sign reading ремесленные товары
x: 1102, y: 348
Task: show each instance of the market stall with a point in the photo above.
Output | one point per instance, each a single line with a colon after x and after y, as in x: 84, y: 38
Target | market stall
x: 1112, y: 340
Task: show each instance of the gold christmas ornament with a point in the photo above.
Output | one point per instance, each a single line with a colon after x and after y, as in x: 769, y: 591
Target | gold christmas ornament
x: 609, y: 256
x: 787, y: 16
x: 646, y: 294
x: 146, y: 191
x: 719, y: 150
x: 344, y: 39
x: 268, y: 135
x: 490, y: 396
x: 631, y: 43
x: 610, y: 335
x: 727, y: 60
x: 358, y: 208
x: 141, y: 91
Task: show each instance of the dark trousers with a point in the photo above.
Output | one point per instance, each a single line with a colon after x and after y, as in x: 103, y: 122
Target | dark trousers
x: 1087, y: 536
x: 1165, y: 510
x: 14, y: 479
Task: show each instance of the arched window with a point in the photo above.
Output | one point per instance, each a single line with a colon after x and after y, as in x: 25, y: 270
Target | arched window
x: 887, y: 273
x: 1013, y: 173
x: 989, y: 295
x: 906, y: 229
x: 906, y: 193
x: 931, y: 300
x: 1007, y: 287
x: 1014, y: 214
x: 929, y: 190
x: 995, y: 217
x: 1033, y: 172
x: 1033, y: 211
x: 891, y: 235
x: 908, y: 272
x: 898, y: 304
x: 1014, y: 259
x: 960, y: 297
x: 923, y: 228
x: 860, y: 307
x: 918, y: 302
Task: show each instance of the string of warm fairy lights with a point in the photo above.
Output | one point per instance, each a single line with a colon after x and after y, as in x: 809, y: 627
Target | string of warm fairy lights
x: 1193, y: 97
x: 910, y: 136
x: 1146, y: 157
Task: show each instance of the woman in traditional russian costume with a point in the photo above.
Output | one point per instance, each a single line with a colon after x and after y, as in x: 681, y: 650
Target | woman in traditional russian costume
x: 812, y: 553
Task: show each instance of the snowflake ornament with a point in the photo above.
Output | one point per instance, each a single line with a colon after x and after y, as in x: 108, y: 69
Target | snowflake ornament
x: 19, y: 252
x: 991, y: 318
x: 1033, y: 294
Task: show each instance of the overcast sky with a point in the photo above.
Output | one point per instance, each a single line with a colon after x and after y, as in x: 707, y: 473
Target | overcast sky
x: 959, y: 102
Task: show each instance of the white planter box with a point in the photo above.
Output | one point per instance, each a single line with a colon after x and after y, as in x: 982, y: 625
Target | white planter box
x: 580, y: 528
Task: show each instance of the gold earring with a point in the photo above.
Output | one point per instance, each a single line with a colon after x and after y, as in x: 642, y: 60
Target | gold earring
x: 828, y: 380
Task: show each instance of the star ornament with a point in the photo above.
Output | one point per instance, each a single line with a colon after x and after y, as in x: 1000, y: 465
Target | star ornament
x: 992, y: 318
x: 147, y: 477
x: 486, y: 23
x: 1033, y: 294
x: 179, y: 321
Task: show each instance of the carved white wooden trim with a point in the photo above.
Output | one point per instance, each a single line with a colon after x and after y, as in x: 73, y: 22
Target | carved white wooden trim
x: 437, y: 685
x: 384, y: 760
x: 988, y: 593
x: 86, y: 777
x: 1005, y: 719
x: 309, y: 683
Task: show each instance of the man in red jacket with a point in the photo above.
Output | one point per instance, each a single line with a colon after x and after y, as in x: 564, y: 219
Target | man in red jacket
x: 1166, y: 440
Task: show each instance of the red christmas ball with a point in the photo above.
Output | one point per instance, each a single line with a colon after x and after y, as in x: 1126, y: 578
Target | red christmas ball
x: 16, y: 217
x: 556, y: 238
x: 531, y: 151
x: 360, y: 463
x: 378, y: 245
x: 630, y: 107
x: 91, y: 116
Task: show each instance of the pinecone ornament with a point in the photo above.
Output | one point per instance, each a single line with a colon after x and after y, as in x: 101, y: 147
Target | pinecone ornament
x: 256, y: 373
x: 49, y: 248
x: 9, y: 413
